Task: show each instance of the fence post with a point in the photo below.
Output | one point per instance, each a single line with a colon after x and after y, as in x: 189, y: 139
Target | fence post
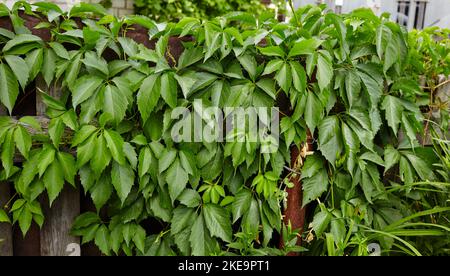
x: 55, y: 237
x: 6, y: 246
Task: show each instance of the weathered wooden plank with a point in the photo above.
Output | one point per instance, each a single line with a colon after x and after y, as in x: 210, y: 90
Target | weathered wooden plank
x: 55, y: 237
x: 6, y: 245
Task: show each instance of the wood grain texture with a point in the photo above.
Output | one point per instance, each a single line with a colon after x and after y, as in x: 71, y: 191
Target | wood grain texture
x: 55, y: 237
x: 6, y: 245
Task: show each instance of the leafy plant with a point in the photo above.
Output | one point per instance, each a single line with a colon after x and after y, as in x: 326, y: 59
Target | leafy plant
x: 346, y: 79
x: 164, y: 10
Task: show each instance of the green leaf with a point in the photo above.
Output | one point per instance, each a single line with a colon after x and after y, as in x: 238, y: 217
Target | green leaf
x: 330, y: 139
x: 46, y: 157
x: 56, y: 130
x: 148, y: 95
x: 72, y: 71
x: 93, y: 61
x: 117, y: 66
x: 392, y: 54
x: 218, y: 221
x: 25, y: 218
x: 338, y: 230
x: 190, y: 198
x: 394, y: 109
x: 102, y: 239
x: 268, y: 86
x: 391, y: 157
x: 314, y: 186
x: 54, y: 181
x: 34, y: 62
x: 85, y: 220
x: 68, y: 167
x: 81, y: 9
x: 167, y: 158
x: 272, y: 51
x: 101, y: 191
x: 101, y: 156
x: 169, y: 89
x: 83, y: 134
x: 161, y: 45
x: 116, y: 238
x: 177, y: 179
x: 122, y: 179
x: 198, y: 237
x: 284, y: 77
x: 409, y: 129
x: 305, y: 47
x: 352, y: 86
x: 145, y: 159
x: 374, y: 89
x: 115, y: 144
x: 59, y: 49
x: 12, y: 47
x: 115, y: 103
x: 130, y: 154
x: 298, y: 76
x: 313, y: 164
x: 248, y: 62
x: 31, y: 121
x: 139, y: 238
x: 20, y: 69
x: 186, y: 82
x: 7, y: 154
x: 251, y: 220
x: 272, y: 66
x: 9, y: 89
x: 420, y: 166
x: 313, y: 111
x: 129, y: 46
x: 182, y: 218
x: 324, y: 71
x: 48, y: 66
x: 23, y: 141
x: 241, y: 204
x: 4, y: 217
x: 383, y: 35
x: 84, y: 88
x: 189, y: 57
x: 188, y: 162
x: 321, y: 221
x: 372, y: 157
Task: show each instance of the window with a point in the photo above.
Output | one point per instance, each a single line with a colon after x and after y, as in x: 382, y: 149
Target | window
x: 419, y: 19
x: 411, y: 13
x: 403, y: 12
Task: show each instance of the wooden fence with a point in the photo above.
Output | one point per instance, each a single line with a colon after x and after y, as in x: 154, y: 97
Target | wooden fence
x: 53, y: 238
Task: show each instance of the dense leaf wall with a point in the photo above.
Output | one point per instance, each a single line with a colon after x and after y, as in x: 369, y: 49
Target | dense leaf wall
x: 343, y: 78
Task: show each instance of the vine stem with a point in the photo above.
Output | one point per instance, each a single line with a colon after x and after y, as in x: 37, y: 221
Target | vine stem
x: 437, y: 86
x: 9, y: 201
x: 291, y: 5
x: 291, y: 170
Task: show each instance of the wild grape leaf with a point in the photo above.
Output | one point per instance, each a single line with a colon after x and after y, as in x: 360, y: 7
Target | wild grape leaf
x: 218, y: 221
x: 393, y: 108
x: 177, y: 179
x: 122, y: 177
x: 330, y: 139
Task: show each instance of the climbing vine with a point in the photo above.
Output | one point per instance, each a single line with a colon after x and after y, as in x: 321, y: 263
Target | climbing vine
x: 343, y: 78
